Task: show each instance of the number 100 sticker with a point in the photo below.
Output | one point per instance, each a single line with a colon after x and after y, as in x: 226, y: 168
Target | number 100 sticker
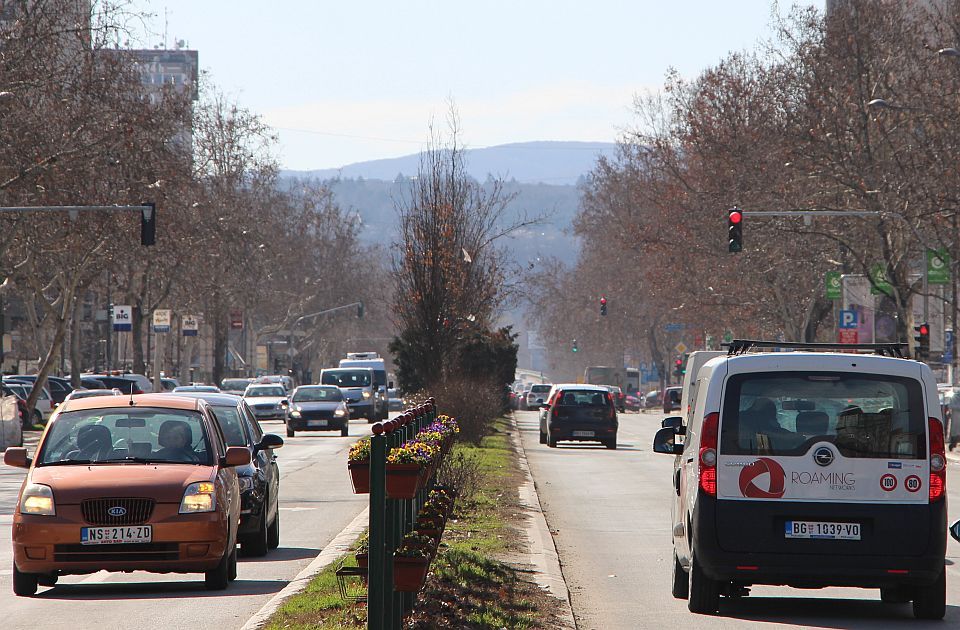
x: 888, y: 483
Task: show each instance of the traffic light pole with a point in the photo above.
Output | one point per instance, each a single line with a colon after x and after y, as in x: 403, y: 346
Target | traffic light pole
x: 148, y: 215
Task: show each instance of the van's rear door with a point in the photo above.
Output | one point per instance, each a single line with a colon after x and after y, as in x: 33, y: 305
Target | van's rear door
x: 823, y: 462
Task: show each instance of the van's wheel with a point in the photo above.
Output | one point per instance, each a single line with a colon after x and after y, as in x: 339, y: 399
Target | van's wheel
x: 24, y: 584
x: 345, y: 430
x: 895, y: 595
x: 703, y: 592
x: 290, y: 432
x: 930, y: 602
x: 681, y: 584
x: 218, y: 578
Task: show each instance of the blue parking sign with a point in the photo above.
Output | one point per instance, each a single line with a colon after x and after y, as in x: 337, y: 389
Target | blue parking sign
x: 848, y: 319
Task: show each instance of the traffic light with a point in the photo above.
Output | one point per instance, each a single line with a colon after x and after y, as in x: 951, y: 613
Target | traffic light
x: 678, y: 367
x: 574, y: 347
x: 923, y: 340
x: 735, y: 230
x: 359, y: 310
x: 148, y: 225
x: 603, y: 305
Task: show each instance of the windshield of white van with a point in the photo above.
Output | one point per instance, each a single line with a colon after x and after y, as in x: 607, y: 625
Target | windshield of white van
x: 346, y: 378
x: 785, y: 413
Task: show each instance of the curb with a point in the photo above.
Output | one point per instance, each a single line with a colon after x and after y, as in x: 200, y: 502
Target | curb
x: 543, y: 550
x: 336, y: 548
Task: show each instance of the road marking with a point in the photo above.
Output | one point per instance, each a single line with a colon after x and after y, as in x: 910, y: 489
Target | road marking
x: 298, y: 509
x: 6, y: 518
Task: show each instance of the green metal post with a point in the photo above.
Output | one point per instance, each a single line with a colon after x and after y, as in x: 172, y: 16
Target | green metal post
x: 376, y: 586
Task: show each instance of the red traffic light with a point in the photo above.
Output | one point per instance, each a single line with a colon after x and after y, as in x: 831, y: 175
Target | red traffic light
x: 678, y: 362
x: 924, y: 329
x: 603, y: 300
x: 735, y: 216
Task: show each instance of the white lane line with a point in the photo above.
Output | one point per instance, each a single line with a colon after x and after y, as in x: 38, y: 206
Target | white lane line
x: 298, y: 509
x: 6, y: 518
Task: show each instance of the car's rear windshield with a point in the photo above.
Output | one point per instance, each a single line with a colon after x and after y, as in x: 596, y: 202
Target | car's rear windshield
x: 234, y: 383
x: 317, y: 394
x: 118, y: 434
x: 784, y: 413
x: 265, y: 392
x: 540, y: 388
x: 346, y: 378
x: 582, y: 398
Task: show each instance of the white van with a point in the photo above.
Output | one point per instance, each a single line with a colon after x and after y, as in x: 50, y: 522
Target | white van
x: 376, y: 363
x: 357, y: 385
x: 810, y: 469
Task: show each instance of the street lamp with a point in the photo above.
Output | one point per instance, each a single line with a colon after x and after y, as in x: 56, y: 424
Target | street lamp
x: 949, y: 52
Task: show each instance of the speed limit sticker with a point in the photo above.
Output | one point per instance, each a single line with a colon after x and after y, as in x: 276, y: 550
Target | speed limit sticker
x: 888, y: 483
x: 912, y: 483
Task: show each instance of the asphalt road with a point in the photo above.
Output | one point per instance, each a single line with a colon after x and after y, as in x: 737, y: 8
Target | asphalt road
x: 609, y: 512
x: 316, y: 502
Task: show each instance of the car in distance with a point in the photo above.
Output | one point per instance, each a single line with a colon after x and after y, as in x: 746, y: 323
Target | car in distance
x: 58, y: 387
x: 537, y: 395
x: 580, y: 413
x: 127, y: 483
x: 77, y: 394
x: 259, y: 480
x: 234, y: 386
x: 126, y: 382
x: 269, y: 401
x: 671, y: 399
x: 809, y: 469
x: 186, y: 389
x: 619, y: 399
x: 359, y: 390
x: 22, y: 389
x: 394, y: 401
x: 318, y: 408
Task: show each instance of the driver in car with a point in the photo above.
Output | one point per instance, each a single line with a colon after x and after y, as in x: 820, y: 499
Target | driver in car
x: 175, y: 439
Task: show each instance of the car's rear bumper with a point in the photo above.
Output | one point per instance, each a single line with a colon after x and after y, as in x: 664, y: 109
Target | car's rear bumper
x: 361, y: 410
x: 270, y: 414
x: 194, y: 543
x: 564, y: 431
x: 332, y: 424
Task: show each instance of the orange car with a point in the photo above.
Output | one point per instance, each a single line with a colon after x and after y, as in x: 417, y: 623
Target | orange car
x: 128, y: 483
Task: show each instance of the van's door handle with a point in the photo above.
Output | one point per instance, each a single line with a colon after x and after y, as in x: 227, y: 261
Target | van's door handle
x: 689, y: 460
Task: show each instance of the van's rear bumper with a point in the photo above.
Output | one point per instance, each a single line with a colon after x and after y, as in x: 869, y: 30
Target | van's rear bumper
x: 836, y: 566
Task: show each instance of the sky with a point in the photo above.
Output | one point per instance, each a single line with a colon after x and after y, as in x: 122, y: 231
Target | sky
x: 356, y: 80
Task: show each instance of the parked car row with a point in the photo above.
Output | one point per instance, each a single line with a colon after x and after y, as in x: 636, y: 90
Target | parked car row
x: 170, y: 482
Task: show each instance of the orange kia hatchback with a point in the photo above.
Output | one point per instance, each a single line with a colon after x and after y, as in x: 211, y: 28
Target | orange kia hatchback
x: 128, y: 483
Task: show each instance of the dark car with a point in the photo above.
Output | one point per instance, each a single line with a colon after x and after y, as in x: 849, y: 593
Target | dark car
x: 619, y: 399
x: 259, y: 480
x: 584, y: 413
x: 318, y: 408
x: 127, y: 383
x: 671, y: 399
x: 58, y: 387
x: 92, y: 383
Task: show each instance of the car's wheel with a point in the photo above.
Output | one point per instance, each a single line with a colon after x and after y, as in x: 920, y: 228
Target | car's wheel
x: 273, y: 533
x: 218, y: 578
x: 611, y: 443
x: 48, y: 579
x: 256, y: 544
x: 290, y: 432
x: 895, y: 595
x: 232, y: 565
x: 551, y: 441
x: 930, y: 602
x: 681, y: 584
x: 703, y: 592
x: 24, y: 584
x: 37, y: 417
x: 543, y: 437
x: 345, y: 430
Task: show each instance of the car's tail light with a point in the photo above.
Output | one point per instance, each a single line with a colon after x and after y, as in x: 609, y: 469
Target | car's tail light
x: 708, y: 454
x: 938, y: 461
x: 136, y: 390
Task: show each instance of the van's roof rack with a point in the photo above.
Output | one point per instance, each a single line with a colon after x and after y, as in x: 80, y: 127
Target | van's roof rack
x: 741, y: 346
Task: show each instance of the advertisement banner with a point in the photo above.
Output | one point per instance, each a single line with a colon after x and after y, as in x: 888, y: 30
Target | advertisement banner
x: 832, y: 285
x: 161, y: 320
x: 122, y: 317
x: 938, y: 266
x: 879, y: 282
x: 236, y: 320
x: 190, y: 325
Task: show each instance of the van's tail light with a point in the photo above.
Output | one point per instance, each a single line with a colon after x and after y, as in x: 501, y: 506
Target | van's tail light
x: 708, y: 454
x: 938, y: 461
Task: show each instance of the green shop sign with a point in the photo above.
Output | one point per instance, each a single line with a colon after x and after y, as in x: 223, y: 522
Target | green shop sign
x: 938, y: 266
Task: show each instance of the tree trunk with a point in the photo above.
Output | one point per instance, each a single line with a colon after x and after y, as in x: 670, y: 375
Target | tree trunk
x: 139, y: 366
x: 219, y: 345
x: 75, y: 360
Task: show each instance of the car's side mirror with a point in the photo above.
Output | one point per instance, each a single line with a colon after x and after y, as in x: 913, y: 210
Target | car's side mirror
x: 544, y: 406
x: 236, y: 456
x: 665, y: 442
x: 16, y: 456
x: 954, y: 529
x: 390, y: 385
x: 269, y: 441
x: 283, y: 403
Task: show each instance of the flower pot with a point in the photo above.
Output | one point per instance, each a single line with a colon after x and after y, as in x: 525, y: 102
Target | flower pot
x: 360, y: 476
x: 409, y: 574
x: 435, y: 533
x: 362, y: 560
x: 404, y: 480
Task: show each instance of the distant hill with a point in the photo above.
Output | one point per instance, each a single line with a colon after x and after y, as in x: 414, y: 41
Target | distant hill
x: 556, y: 163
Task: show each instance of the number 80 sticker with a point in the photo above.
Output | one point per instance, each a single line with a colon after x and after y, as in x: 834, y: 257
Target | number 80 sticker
x: 912, y: 483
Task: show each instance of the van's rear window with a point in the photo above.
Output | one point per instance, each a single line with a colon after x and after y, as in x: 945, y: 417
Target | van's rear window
x: 784, y: 413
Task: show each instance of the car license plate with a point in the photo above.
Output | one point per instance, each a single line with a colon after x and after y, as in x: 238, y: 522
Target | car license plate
x: 316, y: 423
x: 116, y: 535
x: 583, y: 433
x: 822, y: 530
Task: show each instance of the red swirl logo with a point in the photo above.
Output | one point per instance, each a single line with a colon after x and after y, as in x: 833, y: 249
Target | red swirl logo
x: 749, y: 474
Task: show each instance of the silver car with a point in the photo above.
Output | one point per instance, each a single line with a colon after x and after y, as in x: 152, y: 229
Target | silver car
x: 268, y: 402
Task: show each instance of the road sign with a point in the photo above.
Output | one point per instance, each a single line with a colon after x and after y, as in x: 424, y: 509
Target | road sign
x: 938, y: 266
x: 680, y: 348
x: 122, y: 317
x: 879, y: 281
x: 236, y: 320
x: 727, y: 336
x: 848, y: 319
x: 190, y: 326
x: 948, y: 346
x: 833, y: 288
x: 673, y: 327
x: 847, y: 336
x: 161, y: 320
